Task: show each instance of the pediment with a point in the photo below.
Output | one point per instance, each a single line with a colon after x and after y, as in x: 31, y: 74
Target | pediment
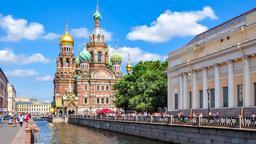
x: 103, y: 73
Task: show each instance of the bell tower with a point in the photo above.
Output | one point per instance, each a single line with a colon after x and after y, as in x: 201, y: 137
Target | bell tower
x: 66, y: 65
x: 97, y: 46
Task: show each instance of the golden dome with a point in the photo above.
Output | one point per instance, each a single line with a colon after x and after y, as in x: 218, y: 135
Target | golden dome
x: 66, y: 39
x: 128, y: 68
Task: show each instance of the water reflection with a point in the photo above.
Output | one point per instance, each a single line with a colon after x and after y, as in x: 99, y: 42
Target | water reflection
x: 60, y: 133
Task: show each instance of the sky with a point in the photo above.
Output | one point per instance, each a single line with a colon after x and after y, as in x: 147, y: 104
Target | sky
x: 147, y: 29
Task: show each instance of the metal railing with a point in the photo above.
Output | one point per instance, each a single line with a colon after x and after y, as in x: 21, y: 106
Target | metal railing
x: 235, y: 122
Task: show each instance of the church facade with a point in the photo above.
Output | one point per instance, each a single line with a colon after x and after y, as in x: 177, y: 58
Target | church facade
x: 84, y: 83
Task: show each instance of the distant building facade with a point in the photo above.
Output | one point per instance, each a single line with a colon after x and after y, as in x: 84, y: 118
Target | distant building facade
x: 35, y: 108
x: 11, y: 98
x: 3, y: 92
x: 23, y: 99
x: 84, y: 84
x: 216, y: 71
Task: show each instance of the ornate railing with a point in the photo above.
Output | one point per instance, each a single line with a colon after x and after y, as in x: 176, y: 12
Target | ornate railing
x: 238, y: 122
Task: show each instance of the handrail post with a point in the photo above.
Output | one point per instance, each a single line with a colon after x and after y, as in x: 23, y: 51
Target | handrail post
x: 239, y: 121
x: 151, y: 119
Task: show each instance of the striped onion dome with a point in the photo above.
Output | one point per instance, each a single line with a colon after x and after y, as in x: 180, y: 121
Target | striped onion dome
x: 84, y: 56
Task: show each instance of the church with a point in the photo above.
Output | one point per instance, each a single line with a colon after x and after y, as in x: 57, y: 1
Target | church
x: 84, y: 83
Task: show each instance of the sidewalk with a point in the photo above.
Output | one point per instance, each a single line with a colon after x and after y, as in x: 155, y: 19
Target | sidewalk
x: 8, y: 133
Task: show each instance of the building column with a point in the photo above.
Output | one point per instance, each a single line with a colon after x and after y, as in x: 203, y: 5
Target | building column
x: 247, y: 89
x: 217, y: 86
x: 231, y: 96
x: 185, y: 92
x: 205, y: 87
x: 169, y: 97
x: 181, y: 93
x: 194, y: 90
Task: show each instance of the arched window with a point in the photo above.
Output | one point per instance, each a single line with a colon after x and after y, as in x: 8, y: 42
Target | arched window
x: 61, y: 62
x: 99, y: 56
x: 68, y: 63
x: 92, y: 55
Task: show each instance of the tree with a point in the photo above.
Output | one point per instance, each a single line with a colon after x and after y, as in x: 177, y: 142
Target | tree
x: 145, y: 89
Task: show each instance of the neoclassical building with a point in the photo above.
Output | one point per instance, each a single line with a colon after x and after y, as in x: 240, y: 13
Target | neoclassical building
x: 11, y: 98
x: 83, y: 83
x: 3, y: 92
x: 216, y: 70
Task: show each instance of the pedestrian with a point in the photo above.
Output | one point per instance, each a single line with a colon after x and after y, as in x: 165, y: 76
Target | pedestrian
x: 21, y: 118
x: 253, y: 119
x: 14, y: 119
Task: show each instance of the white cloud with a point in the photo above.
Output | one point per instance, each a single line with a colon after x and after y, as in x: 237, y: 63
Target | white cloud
x: 84, y: 33
x: 18, y: 29
x: 8, y: 56
x: 50, y: 36
x: 22, y: 73
x: 80, y: 32
x: 136, y: 54
x: 44, y: 78
x: 172, y: 24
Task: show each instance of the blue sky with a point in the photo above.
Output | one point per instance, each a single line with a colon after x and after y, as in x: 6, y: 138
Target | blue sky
x: 148, y: 29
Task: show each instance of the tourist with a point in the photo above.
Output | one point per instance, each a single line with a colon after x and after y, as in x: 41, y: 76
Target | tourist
x: 14, y: 119
x: 21, y: 118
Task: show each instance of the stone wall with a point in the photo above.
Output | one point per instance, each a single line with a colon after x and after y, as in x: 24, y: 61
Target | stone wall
x: 174, y: 133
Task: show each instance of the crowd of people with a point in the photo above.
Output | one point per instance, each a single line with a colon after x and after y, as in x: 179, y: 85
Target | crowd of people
x: 18, y: 119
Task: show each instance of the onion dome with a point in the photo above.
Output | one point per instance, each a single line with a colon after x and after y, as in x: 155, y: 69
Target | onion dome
x: 97, y: 15
x: 66, y: 38
x: 128, y: 68
x: 84, y: 56
x: 128, y: 65
x: 116, y: 59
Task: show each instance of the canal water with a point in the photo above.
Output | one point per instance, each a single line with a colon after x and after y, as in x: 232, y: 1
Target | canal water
x: 61, y: 133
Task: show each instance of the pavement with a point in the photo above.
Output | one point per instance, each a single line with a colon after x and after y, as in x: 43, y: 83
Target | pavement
x: 11, y: 135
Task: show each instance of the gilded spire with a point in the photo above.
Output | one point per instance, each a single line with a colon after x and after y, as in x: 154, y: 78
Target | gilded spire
x: 66, y: 28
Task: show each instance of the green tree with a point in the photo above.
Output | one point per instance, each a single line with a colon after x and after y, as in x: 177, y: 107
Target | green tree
x: 145, y: 89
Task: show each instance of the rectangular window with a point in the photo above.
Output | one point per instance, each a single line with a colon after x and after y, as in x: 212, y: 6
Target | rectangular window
x: 102, y: 87
x: 240, y: 95
x: 98, y: 100
x: 176, y: 101
x: 212, y: 98
x: 106, y: 87
x: 85, y: 87
x: 98, y: 87
x: 85, y: 100
x: 254, y: 94
x: 106, y: 100
x: 201, y: 99
x: 102, y: 100
x: 190, y: 99
x: 225, y: 96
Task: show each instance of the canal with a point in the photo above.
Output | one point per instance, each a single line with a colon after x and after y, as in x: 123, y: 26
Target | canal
x: 61, y: 133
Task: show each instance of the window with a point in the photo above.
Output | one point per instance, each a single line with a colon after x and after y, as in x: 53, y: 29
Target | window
x: 102, y: 87
x: 225, y: 96
x: 212, y: 98
x: 92, y: 56
x: 176, y: 101
x: 240, y: 95
x: 98, y: 100
x: 228, y: 37
x: 98, y: 87
x: 107, y: 100
x: 85, y: 87
x: 102, y: 100
x: 99, y: 56
x: 221, y: 40
x: 85, y: 100
x: 200, y: 99
x: 190, y: 100
x: 106, y: 87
